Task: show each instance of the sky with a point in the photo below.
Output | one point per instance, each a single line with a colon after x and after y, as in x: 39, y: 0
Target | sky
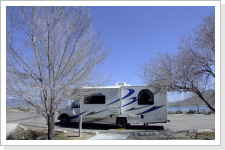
x: 136, y: 33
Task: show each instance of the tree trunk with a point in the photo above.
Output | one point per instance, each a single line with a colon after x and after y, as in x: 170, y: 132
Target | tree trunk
x: 51, y: 125
x: 209, y: 106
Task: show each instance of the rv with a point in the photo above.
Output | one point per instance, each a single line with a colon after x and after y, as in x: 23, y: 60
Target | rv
x: 121, y: 104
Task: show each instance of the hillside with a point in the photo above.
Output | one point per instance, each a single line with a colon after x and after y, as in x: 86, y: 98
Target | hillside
x: 195, y: 100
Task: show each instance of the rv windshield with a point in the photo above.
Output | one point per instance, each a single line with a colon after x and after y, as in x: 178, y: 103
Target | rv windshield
x: 76, y: 104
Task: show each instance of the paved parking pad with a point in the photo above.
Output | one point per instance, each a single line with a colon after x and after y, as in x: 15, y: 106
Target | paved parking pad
x: 110, y: 136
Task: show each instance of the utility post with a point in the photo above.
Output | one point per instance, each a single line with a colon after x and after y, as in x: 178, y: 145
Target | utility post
x: 80, y: 125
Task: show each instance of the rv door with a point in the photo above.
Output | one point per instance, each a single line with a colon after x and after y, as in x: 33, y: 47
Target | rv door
x: 75, y: 107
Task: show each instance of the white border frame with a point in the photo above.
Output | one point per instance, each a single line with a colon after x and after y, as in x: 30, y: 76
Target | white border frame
x: 108, y: 3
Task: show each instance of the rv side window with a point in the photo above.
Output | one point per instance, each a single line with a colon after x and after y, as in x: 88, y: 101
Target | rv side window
x: 145, y: 97
x: 94, y: 99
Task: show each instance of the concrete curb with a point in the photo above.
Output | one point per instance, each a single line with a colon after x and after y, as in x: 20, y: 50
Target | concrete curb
x: 110, y: 136
x: 10, y: 128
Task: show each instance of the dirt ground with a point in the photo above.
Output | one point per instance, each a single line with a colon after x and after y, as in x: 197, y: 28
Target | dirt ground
x: 35, y: 133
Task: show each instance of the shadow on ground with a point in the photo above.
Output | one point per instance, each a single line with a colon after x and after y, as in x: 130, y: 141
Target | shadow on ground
x: 98, y: 126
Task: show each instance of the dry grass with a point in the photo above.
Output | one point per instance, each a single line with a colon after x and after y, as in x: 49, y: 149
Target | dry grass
x: 34, y: 133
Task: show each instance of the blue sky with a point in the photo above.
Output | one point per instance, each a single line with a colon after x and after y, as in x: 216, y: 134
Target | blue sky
x: 135, y: 33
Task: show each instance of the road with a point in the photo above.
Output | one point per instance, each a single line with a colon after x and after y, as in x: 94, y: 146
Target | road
x: 177, y: 122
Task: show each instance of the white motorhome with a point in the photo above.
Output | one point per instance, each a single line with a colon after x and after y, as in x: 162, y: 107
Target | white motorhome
x: 121, y: 104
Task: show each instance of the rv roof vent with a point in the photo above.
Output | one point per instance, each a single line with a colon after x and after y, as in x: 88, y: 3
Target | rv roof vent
x: 120, y: 84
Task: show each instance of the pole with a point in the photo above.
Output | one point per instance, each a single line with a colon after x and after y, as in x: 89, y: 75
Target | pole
x: 120, y: 101
x: 80, y: 125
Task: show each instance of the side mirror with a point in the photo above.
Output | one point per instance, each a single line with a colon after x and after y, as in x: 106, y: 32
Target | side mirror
x: 69, y: 104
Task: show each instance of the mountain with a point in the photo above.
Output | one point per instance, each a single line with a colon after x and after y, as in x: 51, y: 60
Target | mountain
x: 209, y: 95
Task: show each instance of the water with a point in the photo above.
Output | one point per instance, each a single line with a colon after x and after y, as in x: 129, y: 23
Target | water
x: 14, y: 103
x: 185, y: 109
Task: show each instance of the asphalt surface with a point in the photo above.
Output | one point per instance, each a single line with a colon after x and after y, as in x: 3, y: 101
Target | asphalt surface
x: 177, y: 123
x: 190, y: 122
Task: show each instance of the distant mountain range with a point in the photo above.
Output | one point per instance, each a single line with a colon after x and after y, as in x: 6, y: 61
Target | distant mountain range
x: 209, y: 95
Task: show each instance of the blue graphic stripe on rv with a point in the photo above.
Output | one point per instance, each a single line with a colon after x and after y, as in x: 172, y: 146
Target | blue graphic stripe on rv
x: 134, y: 100
x: 134, y: 108
x: 151, y: 109
x: 131, y: 91
x: 76, y: 116
x: 93, y: 112
x: 113, y: 102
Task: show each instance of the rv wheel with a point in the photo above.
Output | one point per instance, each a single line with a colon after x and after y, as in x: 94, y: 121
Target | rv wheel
x: 65, y: 121
x: 121, y: 122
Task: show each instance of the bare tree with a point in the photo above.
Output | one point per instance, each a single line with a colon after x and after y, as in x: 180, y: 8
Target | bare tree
x: 191, y: 69
x: 50, y: 50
